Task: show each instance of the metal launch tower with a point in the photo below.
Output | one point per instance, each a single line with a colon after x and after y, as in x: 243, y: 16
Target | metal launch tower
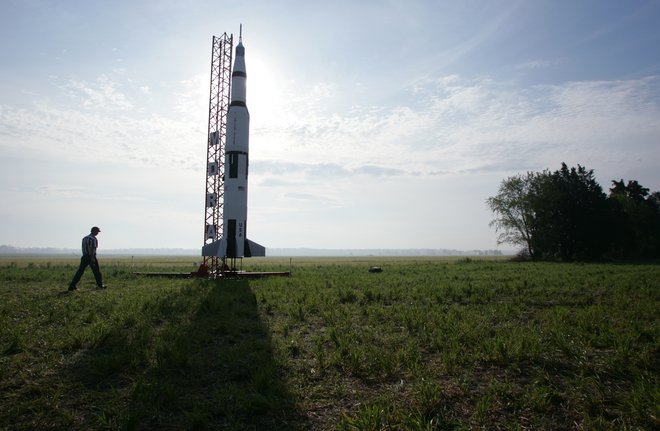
x: 220, y: 88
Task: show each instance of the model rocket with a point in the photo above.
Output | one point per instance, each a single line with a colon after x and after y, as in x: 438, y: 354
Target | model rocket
x: 234, y: 242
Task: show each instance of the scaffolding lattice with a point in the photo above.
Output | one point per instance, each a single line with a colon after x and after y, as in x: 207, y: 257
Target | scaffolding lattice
x: 220, y: 87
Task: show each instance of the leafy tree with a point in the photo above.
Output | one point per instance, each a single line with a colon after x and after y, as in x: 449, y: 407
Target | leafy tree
x: 571, y: 216
x: 637, y: 220
x: 633, y: 190
x: 514, y: 210
x: 566, y: 215
x: 558, y: 215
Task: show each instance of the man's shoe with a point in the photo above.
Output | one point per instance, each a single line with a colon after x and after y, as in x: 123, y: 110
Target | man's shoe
x: 103, y: 286
x: 72, y: 288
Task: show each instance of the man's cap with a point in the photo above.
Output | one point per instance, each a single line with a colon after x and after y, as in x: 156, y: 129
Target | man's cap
x: 96, y: 229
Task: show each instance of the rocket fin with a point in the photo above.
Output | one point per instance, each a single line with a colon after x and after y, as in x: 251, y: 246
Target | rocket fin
x: 252, y: 249
x: 216, y: 248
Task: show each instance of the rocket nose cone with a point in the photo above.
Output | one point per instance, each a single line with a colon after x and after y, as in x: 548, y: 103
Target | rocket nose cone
x: 240, y: 50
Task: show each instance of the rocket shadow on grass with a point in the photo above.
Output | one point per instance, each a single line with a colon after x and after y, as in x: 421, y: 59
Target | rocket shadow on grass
x: 222, y: 370
x: 217, y: 372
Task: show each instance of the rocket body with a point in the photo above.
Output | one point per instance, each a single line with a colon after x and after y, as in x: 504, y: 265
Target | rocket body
x: 236, y: 162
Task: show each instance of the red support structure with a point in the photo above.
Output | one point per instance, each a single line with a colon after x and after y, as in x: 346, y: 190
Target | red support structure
x: 221, y: 60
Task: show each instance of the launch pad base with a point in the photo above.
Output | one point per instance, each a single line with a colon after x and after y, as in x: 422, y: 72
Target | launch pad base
x: 225, y: 274
x: 259, y: 274
x: 165, y: 274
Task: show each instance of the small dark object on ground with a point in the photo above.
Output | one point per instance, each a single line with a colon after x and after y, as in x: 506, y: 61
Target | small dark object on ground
x: 375, y: 269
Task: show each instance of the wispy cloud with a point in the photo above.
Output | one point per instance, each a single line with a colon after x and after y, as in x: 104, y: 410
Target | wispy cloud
x: 102, y: 94
x: 537, y: 64
x: 455, y: 125
x: 466, y: 125
x: 321, y: 171
x: 95, y: 121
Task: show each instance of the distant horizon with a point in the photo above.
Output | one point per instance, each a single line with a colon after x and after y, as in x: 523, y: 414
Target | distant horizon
x: 9, y: 250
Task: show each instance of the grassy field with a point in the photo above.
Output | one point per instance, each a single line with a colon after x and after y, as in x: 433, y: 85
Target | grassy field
x: 427, y: 344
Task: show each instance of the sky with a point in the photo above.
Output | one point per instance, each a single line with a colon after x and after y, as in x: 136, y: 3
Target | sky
x: 374, y: 124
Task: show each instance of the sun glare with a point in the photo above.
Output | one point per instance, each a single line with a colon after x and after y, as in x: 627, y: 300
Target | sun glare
x: 264, y: 85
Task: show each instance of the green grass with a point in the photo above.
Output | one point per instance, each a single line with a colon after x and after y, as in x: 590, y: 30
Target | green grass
x: 428, y: 344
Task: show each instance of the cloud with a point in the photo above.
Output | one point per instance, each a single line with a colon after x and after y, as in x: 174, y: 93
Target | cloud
x: 536, y: 64
x: 191, y: 98
x: 63, y: 192
x: 452, y: 125
x: 95, y: 121
x: 318, y: 172
x: 378, y: 171
x: 459, y: 125
x: 102, y: 94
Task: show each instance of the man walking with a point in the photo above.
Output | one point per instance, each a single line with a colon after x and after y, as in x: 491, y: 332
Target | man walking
x: 89, y: 245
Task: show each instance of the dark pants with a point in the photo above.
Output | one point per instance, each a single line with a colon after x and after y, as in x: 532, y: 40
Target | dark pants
x: 84, y: 262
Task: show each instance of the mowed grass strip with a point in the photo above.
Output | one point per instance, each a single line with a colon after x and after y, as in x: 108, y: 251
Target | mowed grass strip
x: 426, y: 344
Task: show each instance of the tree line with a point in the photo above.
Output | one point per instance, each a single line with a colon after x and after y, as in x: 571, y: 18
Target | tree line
x: 565, y: 215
